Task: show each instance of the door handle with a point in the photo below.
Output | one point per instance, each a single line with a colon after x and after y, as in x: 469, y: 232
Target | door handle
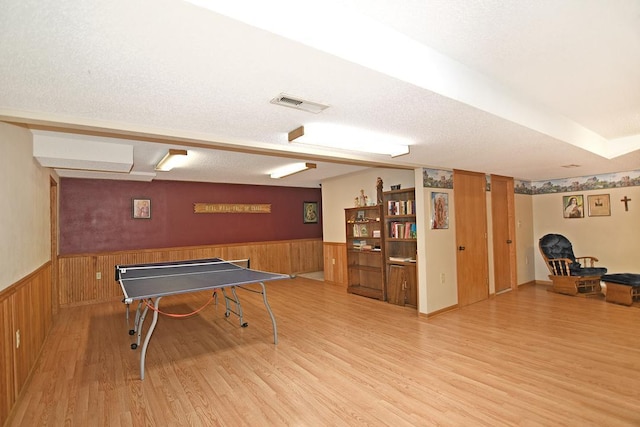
x: 461, y: 248
x: 509, y: 241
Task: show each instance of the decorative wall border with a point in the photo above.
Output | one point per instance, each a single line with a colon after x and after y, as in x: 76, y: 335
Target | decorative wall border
x: 442, y: 178
x: 585, y: 183
x: 522, y: 187
x: 437, y: 178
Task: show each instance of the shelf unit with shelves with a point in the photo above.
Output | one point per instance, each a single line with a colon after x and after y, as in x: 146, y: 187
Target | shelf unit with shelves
x: 399, y: 213
x: 366, y: 269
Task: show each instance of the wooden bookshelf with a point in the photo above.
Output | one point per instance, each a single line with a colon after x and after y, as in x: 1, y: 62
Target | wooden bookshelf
x: 400, y: 241
x: 366, y: 269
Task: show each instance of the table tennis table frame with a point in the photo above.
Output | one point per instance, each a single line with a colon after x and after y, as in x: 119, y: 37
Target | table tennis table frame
x: 232, y: 306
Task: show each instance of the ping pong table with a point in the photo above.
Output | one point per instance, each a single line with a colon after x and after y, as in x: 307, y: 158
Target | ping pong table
x: 149, y: 283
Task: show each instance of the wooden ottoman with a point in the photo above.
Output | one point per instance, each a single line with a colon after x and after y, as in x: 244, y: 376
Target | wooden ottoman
x: 622, y: 288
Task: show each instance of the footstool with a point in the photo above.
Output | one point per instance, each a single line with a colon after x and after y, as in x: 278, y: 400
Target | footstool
x: 622, y: 288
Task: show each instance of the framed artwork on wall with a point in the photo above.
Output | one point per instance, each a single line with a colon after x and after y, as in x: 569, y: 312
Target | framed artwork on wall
x: 599, y: 205
x: 573, y: 206
x: 439, y: 211
x: 141, y: 208
x: 310, y: 212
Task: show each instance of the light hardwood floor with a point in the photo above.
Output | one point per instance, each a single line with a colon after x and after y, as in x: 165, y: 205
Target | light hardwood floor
x: 529, y: 357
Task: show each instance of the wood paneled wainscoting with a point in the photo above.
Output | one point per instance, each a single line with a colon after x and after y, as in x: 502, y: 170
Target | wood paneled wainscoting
x: 89, y: 278
x: 25, y: 307
x: 335, y: 263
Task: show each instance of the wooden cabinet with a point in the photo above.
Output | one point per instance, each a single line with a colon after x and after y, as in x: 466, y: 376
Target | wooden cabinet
x: 399, y: 222
x: 401, y: 286
x: 366, y: 269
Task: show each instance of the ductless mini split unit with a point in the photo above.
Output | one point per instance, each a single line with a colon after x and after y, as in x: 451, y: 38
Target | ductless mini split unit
x: 298, y: 103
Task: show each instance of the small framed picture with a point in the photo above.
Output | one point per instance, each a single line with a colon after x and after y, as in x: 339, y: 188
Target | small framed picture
x: 310, y: 212
x: 599, y: 205
x: 360, y: 216
x: 141, y: 208
x: 573, y: 206
x: 439, y: 211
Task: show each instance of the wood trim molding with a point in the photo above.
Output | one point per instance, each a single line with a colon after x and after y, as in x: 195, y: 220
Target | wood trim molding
x: 25, y: 281
x: 438, y: 312
x: 335, y: 263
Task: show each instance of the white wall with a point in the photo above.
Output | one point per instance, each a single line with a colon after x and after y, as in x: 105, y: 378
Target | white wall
x: 526, y: 245
x: 339, y: 193
x: 614, y: 240
x: 24, y: 216
x: 436, y: 248
x: 439, y: 261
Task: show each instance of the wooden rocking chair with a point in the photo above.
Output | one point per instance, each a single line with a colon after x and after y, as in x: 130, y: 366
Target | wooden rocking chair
x: 570, y: 275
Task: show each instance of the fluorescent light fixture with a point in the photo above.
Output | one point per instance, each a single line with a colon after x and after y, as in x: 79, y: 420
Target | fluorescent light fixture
x: 171, y: 160
x: 291, y: 169
x: 349, y: 138
x: 359, y: 38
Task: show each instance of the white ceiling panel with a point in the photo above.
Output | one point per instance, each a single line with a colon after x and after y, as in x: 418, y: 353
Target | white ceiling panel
x: 516, y: 88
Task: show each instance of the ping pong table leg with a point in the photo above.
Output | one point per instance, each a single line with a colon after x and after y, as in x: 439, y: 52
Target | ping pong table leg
x: 238, y: 307
x: 273, y: 319
x: 140, y: 316
x: 143, y: 353
x: 136, y: 318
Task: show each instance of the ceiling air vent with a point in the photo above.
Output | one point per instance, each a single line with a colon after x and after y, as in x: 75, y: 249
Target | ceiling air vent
x: 298, y: 103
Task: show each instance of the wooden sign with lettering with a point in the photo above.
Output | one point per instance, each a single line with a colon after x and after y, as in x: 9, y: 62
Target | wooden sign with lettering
x: 231, y: 208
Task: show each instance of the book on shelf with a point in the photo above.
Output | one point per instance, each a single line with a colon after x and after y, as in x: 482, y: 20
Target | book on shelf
x: 400, y: 259
x: 362, y: 245
x: 413, y: 233
x: 358, y: 244
x: 402, y: 230
x: 360, y: 230
x: 401, y: 207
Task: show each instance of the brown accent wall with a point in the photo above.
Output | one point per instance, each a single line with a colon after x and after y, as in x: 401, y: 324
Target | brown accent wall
x: 96, y: 215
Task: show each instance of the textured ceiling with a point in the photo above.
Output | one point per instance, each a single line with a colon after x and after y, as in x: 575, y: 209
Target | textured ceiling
x: 516, y: 88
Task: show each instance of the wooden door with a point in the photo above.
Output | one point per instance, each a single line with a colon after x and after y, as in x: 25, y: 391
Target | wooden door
x: 53, y: 229
x: 411, y: 285
x: 395, y: 291
x: 504, y: 239
x: 402, y: 289
x: 469, y: 190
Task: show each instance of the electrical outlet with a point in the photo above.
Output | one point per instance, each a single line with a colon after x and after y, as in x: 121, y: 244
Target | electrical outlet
x: 442, y: 278
x: 18, y: 338
x: 99, y: 275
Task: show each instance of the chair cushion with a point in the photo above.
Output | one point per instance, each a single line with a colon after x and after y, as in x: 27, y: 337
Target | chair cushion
x: 588, y: 271
x: 630, y: 279
x: 557, y: 246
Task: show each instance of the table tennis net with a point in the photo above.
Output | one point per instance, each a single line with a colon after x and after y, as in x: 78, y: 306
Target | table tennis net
x: 163, y: 269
